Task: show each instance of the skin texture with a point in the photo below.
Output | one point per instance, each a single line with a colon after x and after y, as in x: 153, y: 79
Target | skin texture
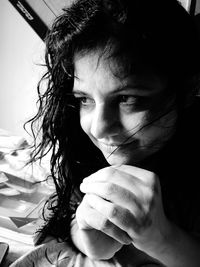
x: 125, y: 203
x: 117, y: 112
x: 122, y: 206
x: 122, y: 203
x: 133, y: 68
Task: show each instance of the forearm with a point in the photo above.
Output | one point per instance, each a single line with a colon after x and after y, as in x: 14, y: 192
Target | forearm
x: 179, y: 249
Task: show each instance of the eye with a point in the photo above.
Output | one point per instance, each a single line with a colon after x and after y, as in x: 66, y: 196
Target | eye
x: 85, y: 101
x: 127, y: 99
x: 134, y: 103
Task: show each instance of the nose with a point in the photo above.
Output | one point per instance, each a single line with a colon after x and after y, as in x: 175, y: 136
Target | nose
x: 105, y: 122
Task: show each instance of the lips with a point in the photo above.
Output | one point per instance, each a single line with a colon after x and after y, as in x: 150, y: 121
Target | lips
x: 110, y: 148
x: 107, y: 144
x: 107, y: 149
x: 118, y: 144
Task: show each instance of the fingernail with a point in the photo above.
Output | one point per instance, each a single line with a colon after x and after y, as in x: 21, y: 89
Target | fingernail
x: 85, y: 179
x: 82, y: 187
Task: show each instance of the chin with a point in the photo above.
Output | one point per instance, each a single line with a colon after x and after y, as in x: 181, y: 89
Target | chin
x: 117, y: 160
x: 124, y: 158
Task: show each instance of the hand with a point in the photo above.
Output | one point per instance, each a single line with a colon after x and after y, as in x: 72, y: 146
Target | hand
x: 126, y: 203
x: 90, y: 227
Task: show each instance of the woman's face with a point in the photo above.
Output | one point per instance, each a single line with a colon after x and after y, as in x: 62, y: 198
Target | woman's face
x: 125, y: 116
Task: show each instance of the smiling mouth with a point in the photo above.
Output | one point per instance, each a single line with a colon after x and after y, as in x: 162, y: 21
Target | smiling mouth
x: 118, y: 145
x: 108, y: 149
x: 110, y: 145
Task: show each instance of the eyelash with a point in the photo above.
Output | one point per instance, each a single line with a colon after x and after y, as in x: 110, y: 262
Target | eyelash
x: 125, y: 101
x: 128, y: 100
x: 84, y: 103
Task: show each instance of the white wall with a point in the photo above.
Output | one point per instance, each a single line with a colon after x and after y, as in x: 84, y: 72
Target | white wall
x: 21, y: 49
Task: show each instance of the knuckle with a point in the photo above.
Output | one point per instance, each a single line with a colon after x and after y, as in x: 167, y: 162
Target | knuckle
x: 107, y: 172
x: 147, y: 209
x: 110, y: 189
x: 149, y: 194
x: 113, y: 212
x: 148, y: 201
x: 104, y: 225
x: 151, y: 178
x: 152, y: 185
x: 111, y: 171
x: 154, y: 191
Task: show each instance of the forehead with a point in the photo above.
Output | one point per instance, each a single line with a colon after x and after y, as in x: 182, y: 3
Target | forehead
x: 90, y: 64
x: 95, y: 69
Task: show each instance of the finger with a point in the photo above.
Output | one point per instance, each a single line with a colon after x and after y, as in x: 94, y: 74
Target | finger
x: 143, y: 175
x: 125, y: 177
x: 147, y: 180
x: 120, y: 217
x: 116, y: 194
x: 92, y: 219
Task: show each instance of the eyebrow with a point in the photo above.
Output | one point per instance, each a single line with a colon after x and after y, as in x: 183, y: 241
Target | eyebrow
x: 78, y: 92
x: 129, y: 87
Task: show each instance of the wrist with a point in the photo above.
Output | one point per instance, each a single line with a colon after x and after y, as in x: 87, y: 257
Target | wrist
x: 176, y: 248
x: 160, y: 239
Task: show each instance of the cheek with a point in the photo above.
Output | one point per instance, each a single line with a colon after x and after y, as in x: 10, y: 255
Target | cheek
x: 134, y: 122
x: 161, y: 129
x: 85, y: 123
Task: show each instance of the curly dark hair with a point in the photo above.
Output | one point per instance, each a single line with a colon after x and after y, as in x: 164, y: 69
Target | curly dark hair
x: 157, y: 33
